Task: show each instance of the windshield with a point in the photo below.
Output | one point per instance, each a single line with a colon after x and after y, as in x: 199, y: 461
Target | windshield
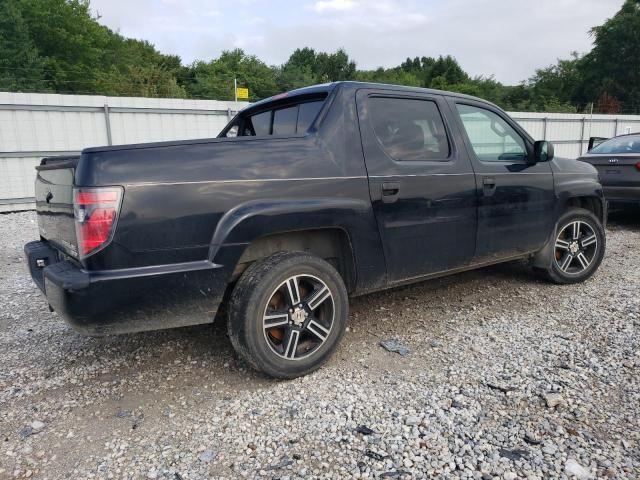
x: 626, y: 144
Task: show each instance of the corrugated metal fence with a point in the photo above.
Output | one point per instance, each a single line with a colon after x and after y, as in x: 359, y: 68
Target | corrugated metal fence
x: 570, y: 132
x: 33, y: 126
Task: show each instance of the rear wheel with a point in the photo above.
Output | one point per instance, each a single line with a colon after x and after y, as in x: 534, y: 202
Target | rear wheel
x: 578, y: 248
x: 287, y: 313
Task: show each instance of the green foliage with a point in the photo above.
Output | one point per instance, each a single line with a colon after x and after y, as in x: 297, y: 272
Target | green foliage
x: 557, y: 81
x: 20, y: 66
x: 392, y: 76
x: 292, y: 77
x: 140, y: 81
x: 434, y: 73
x: 70, y: 43
x: 137, y: 69
x: 306, y: 67
x: 332, y: 67
x: 57, y: 45
x: 612, y: 69
x: 215, y: 79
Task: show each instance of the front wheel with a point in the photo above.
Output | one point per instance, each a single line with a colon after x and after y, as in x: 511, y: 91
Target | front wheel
x: 287, y: 313
x: 578, y: 248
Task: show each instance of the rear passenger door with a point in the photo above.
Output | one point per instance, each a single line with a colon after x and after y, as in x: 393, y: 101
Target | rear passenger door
x: 515, y: 195
x: 422, y: 188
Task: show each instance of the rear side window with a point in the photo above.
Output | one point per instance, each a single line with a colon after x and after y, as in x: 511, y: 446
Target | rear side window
x: 285, y: 120
x: 289, y: 120
x: 261, y: 123
x: 307, y: 113
x: 409, y: 129
x: 619, y: 145
x: 491, y: 137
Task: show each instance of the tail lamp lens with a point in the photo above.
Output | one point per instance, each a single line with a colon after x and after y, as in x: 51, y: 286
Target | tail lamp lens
x: 96, y: 213
x: 638, y: 166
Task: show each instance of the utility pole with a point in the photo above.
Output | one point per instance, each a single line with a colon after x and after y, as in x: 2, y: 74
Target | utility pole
x: 235, y: 89
x: 590, y: 119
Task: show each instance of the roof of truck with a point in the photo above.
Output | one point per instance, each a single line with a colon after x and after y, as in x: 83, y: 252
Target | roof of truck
x: 310, y: 90
x: 329, y: 87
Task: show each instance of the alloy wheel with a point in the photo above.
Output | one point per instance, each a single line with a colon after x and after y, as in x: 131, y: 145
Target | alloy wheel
x: 298, y: 317
x: 576, y: 247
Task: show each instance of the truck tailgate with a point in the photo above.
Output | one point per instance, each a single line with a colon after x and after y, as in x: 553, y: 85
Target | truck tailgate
x: 54, y: 202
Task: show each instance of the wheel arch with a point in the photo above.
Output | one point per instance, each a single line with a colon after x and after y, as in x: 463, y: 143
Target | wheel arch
x: 592, y: 203
x: 336, y: 229
x: 332, y: 244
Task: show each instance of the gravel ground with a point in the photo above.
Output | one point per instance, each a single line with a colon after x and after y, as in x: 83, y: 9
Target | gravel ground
x: 508, y: 377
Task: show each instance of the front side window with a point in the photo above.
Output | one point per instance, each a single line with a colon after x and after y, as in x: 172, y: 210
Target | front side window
x: 618, y: 145
x: 409, y: 129
x: 491, y: 137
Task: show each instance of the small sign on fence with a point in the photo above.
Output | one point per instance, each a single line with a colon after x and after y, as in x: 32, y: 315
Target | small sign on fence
x: 242, y: 93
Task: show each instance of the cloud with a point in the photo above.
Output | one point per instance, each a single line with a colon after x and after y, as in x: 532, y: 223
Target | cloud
x: 211, y: 13
x: 334, y: 5
x: 383, y: 15
x: 508, y: 39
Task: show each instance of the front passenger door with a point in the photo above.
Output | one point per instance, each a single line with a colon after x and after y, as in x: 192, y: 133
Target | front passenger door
x: 515, y: 194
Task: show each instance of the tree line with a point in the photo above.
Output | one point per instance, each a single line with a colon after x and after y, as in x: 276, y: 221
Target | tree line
x: 59, y: 46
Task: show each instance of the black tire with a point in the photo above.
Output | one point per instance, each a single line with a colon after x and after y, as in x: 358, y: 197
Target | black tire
x: 252, y: 300
x: 576, y: 271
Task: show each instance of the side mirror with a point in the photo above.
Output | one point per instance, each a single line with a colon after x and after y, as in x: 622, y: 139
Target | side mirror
x: 543, y: 151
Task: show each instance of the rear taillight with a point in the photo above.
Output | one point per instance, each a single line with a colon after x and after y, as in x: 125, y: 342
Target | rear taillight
x: 638, y: 166
x: 96, y: 213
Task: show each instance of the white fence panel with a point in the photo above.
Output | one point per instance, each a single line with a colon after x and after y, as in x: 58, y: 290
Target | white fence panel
x: 33, y: 126
x: 570, y: 132
x: 16, y: 179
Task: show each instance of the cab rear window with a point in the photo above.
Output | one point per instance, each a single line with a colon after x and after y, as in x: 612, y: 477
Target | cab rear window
x: 286, y: 120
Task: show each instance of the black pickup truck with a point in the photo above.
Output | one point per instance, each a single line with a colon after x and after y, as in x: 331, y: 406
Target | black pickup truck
x: 303, y: 200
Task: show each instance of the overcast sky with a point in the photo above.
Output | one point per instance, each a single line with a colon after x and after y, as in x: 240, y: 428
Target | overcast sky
x: 505, y: 38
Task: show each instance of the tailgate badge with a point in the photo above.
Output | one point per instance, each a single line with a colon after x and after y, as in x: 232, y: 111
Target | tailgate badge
x: 613, y: 160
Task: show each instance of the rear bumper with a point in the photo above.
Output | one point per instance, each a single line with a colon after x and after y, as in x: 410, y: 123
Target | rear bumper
x: 617, y: 195
x: 128, y: 300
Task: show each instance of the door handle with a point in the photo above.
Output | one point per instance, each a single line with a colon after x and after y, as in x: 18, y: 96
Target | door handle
x: 488, y: 186
x: 390, y: 192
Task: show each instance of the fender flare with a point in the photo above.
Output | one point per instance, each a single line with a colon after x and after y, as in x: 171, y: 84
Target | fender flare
x: 568, y: 189
x: 258, y: 218
x: 544, y: 256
